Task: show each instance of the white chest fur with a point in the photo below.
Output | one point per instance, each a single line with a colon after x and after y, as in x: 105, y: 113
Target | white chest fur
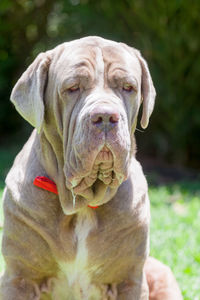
x: 77, y: 277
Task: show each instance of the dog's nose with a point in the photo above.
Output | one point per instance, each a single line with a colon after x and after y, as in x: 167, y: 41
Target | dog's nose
x: 105, y: 118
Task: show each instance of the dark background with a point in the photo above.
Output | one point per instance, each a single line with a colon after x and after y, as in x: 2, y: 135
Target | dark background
x: 166, y: 32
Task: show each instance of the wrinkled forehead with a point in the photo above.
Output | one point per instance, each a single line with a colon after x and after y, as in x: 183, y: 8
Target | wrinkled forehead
x: 97, y: 58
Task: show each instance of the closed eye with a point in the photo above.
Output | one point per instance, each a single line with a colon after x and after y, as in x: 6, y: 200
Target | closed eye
x: 73, y: 89
x: 128, y: 88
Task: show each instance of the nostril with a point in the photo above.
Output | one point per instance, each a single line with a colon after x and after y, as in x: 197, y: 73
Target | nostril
x: 114, y: 118
x: 97, y: 120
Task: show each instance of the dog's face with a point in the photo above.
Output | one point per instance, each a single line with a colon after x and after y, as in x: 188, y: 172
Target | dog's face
x: 89, y: 100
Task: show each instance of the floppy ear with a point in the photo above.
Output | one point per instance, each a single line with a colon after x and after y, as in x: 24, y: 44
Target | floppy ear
x: 27, y: 95
x: 148, y: 91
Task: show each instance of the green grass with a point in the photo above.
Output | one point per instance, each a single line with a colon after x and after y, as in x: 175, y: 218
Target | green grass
x: 175, y: 233
x: 175, y: 228
x: 1, y: 223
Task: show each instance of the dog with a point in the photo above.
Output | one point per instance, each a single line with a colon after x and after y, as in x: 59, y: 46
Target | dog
x: 76, y: 201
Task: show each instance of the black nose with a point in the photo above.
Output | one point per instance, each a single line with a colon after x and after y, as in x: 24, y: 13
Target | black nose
x: 104, y: 117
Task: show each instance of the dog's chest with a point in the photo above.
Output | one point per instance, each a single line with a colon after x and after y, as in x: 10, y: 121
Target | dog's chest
x: 98, y: 246
x: 76, y: 272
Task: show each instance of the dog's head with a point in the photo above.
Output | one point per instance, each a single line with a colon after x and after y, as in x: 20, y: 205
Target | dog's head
x: 86, y: 95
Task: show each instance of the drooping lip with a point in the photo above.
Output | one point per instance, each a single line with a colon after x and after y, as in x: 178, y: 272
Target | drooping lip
x: 104, y: 162
x: 102, y: 173
x: 102, y: 169
x: 104, y: 155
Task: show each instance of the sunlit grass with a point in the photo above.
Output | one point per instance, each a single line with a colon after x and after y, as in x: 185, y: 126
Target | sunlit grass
x: 1, y: 224
x: 175, y: 234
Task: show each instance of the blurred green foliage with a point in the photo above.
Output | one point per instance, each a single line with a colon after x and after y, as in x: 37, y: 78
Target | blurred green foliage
x: 166, y: 32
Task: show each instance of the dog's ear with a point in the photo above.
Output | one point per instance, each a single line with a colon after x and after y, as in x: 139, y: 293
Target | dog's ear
x: 148, y: 91
x: 28, y: 93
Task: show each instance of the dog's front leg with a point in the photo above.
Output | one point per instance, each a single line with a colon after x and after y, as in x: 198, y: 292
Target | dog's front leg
x: 135, y: 288
x: 18, y: 288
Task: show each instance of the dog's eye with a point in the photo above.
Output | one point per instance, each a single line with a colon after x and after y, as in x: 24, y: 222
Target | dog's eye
x: 73, y: 89
x: 128, y: 88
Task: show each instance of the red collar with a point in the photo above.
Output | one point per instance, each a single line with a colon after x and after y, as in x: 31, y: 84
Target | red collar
x: 48, y: 185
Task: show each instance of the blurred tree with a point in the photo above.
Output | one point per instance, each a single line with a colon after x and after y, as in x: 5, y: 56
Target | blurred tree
x: 22, y: 24
x: 167, y: 32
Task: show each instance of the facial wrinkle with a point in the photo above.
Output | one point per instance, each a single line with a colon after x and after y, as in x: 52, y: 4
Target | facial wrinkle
x: 100, y: 67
